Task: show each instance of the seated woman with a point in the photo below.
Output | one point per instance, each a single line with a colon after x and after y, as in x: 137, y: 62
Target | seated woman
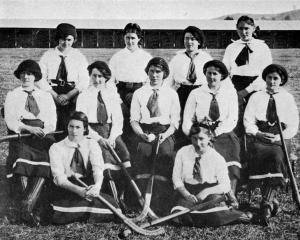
x: 155, y: 112
x: 29, y: 110
x: 104, y: 112
x: 78, y: 156
x: 266, y: 165
x: 218, y: 108
x: 199, y: 174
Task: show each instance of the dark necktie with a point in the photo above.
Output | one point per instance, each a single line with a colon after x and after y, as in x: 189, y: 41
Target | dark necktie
x: 62, y: 70
x: 214, y: 112
x: 101, y: 110
x: 31, y: 104
x: 191, y: 75
x: 196, y: 170
x: 271, y: 110
x: 77, y: 163
x: 152, y: 104
x: 243, y: 57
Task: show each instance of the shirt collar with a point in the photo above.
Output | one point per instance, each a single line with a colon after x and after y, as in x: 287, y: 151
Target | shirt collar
x: 73, y: 144
x: 59, y: 53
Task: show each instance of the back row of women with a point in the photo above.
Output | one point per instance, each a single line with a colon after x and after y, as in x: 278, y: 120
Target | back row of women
x: 194, y: 109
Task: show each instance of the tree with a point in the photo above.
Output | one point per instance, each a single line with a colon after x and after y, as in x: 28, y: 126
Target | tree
x: 228, y: 18
x: 287, y: 17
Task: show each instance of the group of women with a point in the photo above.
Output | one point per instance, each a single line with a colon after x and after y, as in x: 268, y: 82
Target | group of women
x: 190, y: 116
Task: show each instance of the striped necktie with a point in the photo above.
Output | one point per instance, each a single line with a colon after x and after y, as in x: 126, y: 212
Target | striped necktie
x: 152, y: 104
x: 214, y: 112
x: 243, y: 57
x: 191, y: 75
x: 196, y: 170
x: 271, y: 110
x: 62, y: 73
x: 77, y: 163
x: 31, y: 104
x: 101, y: 110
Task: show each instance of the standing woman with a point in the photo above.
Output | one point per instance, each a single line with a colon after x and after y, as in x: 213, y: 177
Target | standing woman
x: 155, y: 112
x: 64, y: 72
x: 186, y: 67
x: 266, y: 165
x: 245, y: 59
x: 128, y: 64
x: 216, y: 107
x: 29, y: 110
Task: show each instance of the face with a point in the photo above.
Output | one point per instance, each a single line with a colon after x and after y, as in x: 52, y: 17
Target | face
x: 97, y: 78
x: 131, y: 41
x: 190, y: 42
x: 245, y: 31
x: 213, y: 77
x: 27, y: 79
x: 75, y: 130
x: 64, y: 44
x: 273, y: 81
x: 200, y: 141
x: 155, y: 75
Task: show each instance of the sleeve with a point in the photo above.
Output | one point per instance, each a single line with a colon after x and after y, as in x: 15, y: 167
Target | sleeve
x: 189, y: 115
x: 250, y: 117
x: 117, y: 119
x: 226, y: 58
x: 83, y: 76
x: 292, y: 116
x: 50, y: 122
x: 177, y: 170
x: 43, y: 83
x: 230, y: 121
x: 264, y: 61
x: 56, y: 163
x: 96, y: 159
x: 170, y: 81
x: 175, y: 111
x: 11, y: 115
x: 81, y: 104
x: 112, y: 65
x: 135, y: 109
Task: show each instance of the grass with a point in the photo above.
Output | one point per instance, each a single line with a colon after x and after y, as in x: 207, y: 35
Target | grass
x: 285, y: 226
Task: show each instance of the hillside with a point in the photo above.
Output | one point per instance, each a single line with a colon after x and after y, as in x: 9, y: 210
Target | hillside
x: 290, y: 15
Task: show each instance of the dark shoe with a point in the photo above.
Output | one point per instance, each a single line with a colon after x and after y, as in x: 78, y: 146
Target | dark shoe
x: 30, y: 218
x: 246, y: 217
x: 266, y: 214
x: 275, y: 208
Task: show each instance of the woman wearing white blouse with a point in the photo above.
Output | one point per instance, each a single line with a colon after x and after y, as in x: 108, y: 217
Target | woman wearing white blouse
x: 79, y: 156
x: 199, y: 174
x: 245, y: 60
x: 218, y: 108
x: 266, y: 165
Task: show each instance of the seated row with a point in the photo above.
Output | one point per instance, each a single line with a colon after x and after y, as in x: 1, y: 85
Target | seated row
x: 155, y: 113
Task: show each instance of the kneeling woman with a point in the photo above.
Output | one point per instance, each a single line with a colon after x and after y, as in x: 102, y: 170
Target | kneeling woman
x: 266, y: 165
x: 199, y: 174
x: 76, y: 155
x: 155, y: 110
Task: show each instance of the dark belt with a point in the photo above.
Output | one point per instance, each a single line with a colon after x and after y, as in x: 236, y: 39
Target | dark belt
x: 62, y: 87
x: 130, y: 85
x: 241, y: 82
x: 155, y: 128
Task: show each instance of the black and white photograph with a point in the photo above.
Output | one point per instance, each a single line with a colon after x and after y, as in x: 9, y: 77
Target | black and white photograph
x: 149, y: 119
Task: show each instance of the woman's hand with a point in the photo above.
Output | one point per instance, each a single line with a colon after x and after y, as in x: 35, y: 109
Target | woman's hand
x: 191, y: 198
x: 92, y: 191
x: 37, y: 131
x: 268, y: 136
x: 63, y: 99
x: 162, y: 137
x: 147, y: 137
x: 104, y: 142
x: 112, y: 142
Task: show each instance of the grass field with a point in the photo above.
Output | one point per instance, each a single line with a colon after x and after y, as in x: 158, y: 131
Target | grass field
x: 285, y: 226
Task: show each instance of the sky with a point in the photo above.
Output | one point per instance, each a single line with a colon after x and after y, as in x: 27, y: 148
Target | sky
x: 138, y: 9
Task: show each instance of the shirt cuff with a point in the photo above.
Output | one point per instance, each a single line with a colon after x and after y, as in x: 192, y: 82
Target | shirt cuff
x: 249, y: 89
x: 178, y: 184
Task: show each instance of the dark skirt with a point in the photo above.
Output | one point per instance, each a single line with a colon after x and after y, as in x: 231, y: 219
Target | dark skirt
x: 183, y: 94
x: 217, y: 215
x: 227, y: 144
x: 126, y: 90
x: 266, y: 164
x: 112, y: 167
x: 144, y: 158
x: 69, y: 207
x: 29, y: 157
